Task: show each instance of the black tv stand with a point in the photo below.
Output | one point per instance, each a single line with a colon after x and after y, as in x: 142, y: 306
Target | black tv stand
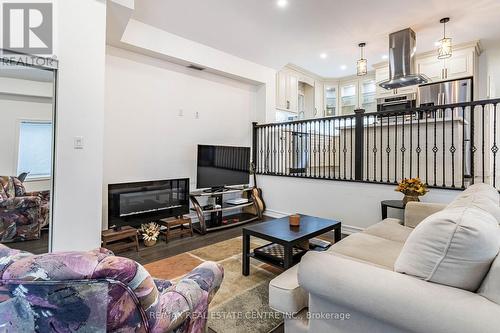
x: 211, y: 218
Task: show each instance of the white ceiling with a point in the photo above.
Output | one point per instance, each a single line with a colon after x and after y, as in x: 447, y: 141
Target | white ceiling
x: 260, y: 31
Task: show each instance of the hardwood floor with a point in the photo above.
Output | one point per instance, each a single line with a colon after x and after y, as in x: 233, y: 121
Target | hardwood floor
x: 38, y: 246
x: 177, y: 246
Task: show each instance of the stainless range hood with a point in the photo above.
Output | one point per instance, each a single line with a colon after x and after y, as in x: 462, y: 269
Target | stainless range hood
x: 402, y: 45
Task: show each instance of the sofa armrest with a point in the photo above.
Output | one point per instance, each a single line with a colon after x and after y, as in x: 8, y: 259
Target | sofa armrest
x: 403, y: 301
x: 186, y: 302
x: 416, y: 212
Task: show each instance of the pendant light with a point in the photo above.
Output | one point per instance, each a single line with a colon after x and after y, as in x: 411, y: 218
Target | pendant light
x: 362, y: 65
x: 445, y: 47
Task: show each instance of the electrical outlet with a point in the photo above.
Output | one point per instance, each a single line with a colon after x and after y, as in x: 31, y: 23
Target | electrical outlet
x: 196, y: 115
x: 78, y: 142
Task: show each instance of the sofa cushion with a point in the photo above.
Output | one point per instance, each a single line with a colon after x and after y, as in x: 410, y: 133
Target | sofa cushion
x: 482, y: 196
x: 285, y: 294
x: 391, y: 229
x: 490, y: 288
x: 454, y: 247
x: 370, y: 249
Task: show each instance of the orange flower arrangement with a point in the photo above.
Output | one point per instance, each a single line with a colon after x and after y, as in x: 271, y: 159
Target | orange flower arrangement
x: 412, y: 187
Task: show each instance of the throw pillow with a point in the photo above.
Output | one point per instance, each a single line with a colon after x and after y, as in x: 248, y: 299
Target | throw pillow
x: 482, y: 196
x: 454, y: 247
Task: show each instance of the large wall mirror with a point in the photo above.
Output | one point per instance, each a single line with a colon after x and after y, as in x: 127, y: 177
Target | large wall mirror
x: 27, y: 136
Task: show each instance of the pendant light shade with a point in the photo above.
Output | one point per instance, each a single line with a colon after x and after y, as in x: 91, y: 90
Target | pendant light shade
x: 445, y: 45
x: 362, y: 64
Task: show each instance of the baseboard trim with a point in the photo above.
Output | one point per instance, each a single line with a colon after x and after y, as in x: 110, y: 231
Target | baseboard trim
x: 346, y: 229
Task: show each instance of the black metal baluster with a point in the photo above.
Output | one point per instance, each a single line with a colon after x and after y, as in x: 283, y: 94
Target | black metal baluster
x: 310, y: 146
x: 463, y: 147
x: 403, y: 148
x: 324, y: 148
x: 444, y: 147
x: 411, y: 144
x: 388, y: 150
x: 366, y: 121
x: 452, y: 148
x: 473, y: 148
x: 335, y: 149
x: 494, y: 149
x: 352, y: 131
x: 345, y: 150
x: 418, y: 150
x: 435, y: 148
x: 427, y: 113
x: 483, y: 145
x: 329, y: 149
x: 396, y: 149
x: 381, y: 151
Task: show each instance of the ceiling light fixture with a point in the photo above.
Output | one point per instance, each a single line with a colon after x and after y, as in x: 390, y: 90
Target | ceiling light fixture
x: 362, y: 64
x: 385, y: 57
x: 343, y: 67
x: 445, y: 47
x: 323, y: 55
x: 282, y: 3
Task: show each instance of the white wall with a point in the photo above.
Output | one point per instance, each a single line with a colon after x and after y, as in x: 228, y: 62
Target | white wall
x: 355, y: 204
x: 145, y: 136
x: 80, y: 28
x: 14, y: 109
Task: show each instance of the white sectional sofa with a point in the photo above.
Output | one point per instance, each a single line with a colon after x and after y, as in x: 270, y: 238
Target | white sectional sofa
x: 353, y: 287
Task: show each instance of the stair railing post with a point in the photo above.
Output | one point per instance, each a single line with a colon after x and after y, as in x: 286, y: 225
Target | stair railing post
x: 359, y: 146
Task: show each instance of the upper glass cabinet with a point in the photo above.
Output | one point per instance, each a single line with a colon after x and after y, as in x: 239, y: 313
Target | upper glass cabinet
x: 368, y: 95
x: 331, y: 101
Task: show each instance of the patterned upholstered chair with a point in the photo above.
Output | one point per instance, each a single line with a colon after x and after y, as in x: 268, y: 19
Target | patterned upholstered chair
x: 22, y: 214
x: 98, y: 292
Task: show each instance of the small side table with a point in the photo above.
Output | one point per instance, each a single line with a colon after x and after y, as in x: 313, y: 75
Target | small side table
x: 120, y: 240
x: 397, y: 204
x: 177, y: 227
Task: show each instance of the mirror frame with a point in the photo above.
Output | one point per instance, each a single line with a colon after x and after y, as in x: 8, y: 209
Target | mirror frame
x: 8, y: 57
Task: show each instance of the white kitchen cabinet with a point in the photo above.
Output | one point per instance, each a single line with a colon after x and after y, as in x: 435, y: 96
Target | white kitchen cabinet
x: 319, y: 108
x: 367, y: 96
x: 461, y: 64
x: 281, y: 90
x: 287, y: 91
x: 331, y: 99
x: 349, y: 99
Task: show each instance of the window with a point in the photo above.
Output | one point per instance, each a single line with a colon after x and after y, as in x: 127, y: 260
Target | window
x: 35, y: 149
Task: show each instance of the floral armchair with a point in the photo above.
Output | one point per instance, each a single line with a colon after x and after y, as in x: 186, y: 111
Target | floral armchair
x: 98, y: 292
x: 22, y: 214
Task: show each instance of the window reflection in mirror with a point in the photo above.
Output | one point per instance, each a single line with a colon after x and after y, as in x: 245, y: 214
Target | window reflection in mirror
x: 26, y: 150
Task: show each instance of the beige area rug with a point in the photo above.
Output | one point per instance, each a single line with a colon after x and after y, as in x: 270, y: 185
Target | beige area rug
x: 241, y: 304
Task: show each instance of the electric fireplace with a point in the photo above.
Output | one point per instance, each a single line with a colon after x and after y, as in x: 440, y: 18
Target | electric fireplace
x: 135, y: 203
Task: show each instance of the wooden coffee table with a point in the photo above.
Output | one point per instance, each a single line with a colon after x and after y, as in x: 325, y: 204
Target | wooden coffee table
x: 279, y: 232
x: 120, y: 240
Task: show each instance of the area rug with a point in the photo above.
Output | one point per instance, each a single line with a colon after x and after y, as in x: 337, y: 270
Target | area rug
x: 241, y: 304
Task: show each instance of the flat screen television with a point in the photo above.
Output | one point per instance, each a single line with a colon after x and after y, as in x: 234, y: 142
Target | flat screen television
x: 220, y: 166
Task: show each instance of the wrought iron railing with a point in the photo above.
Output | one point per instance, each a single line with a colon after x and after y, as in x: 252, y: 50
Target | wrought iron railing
x: 450, y: 146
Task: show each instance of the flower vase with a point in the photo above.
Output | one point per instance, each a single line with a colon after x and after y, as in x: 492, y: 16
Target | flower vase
x: 409, y: 198
x: 149, y: 243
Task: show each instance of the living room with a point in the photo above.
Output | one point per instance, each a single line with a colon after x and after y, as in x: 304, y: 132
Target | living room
x: 315, y: 129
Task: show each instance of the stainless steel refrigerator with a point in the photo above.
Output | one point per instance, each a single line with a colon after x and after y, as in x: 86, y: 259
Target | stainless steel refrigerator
x: 451, y: 92
x: 442, y: 93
